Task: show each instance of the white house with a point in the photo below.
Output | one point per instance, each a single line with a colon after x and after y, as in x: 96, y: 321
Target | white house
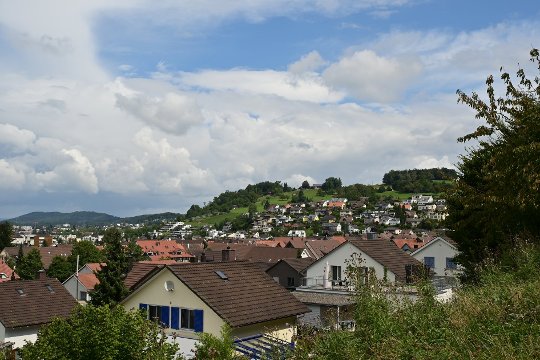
x: 297, y: 233
x: 385, y: 259
x: 187, y: 299
x: 438, y: 255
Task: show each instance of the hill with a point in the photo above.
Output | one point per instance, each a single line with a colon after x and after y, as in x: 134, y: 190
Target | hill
x: 420, y: 180
x: 79, y: 218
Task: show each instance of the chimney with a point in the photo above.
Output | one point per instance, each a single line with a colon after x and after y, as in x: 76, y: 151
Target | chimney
x: 228, y: 254
x: 203, y: 257
x: 41, y: 274
x: 372, y: 236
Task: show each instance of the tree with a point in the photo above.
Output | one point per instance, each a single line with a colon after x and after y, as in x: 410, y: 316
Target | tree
x: 495, y: 202
x: 100, y: 333
x: 60, y: 268
x: 210, y: 347
x: 6, y: 234
x: 305, y: 184
x: 111, y: 288
x: 29, y: 265
x: 331, y: 184
x: 87, y: 252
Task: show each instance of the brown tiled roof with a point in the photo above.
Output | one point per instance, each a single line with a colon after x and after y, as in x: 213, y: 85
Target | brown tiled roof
x: 386, y: 253
x: 95, y: 267
x: 140, y: 271
x: 299, y: 264
x: 47, y: 253
x: 248, y: 296
x: 36, y: 305
x: 253, y: 253
x: 318, y: 248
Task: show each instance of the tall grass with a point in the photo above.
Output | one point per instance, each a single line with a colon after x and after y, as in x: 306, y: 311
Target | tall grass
x: 498, y: 318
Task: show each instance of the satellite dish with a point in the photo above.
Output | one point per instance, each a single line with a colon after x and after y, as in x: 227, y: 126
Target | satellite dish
x: 169, y: 285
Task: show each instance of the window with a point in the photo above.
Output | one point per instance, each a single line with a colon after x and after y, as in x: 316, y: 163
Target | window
x: 336, y: 273
x: 175, y: 317
x: 429, y: 261
x: 290, y: 281
x: 450, y: 264
x: 82, y: 295
x: 187, y: 320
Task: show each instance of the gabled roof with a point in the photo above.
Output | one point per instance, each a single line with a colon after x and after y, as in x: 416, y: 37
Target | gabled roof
x: 387, y: 254
x: 139, y: 272
x: 248, y: 295
x: 297, y: 264
x: 7, y: 271
x: 33, y: 302
x: 47, y: 253
x: 447, y: 241
x: 88, y: 280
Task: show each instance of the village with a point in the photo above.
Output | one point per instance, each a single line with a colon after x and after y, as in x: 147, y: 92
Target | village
x: 192, y: 280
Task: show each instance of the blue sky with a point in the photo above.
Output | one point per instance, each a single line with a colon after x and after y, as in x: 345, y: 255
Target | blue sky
x: 135, y: 106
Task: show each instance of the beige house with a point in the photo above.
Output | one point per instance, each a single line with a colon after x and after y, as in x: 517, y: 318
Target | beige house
x: 187, y: 299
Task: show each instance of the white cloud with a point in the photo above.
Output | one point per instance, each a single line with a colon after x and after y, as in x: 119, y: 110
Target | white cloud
x: 370, y: 77
x: 308, y: 63
x: 296, y: 180
x: 174, y: 113
x: 13, y: 139
x: 268, y: 82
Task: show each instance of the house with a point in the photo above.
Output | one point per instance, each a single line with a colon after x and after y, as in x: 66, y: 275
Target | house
x: 47, y: 253
x: 165, y: 249
x: 385, y: 259
x: 6, y: 273
x: 438, y: 254
x: 297, y: 233
x: 82, y: 284
x: 188, y: 299
x: 289, y: 272
x: 26, y: 305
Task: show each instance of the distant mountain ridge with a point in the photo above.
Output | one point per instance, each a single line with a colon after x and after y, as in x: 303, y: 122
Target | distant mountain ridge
x: 84, y: 218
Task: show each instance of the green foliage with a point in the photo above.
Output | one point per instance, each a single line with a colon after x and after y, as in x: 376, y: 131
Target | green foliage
x: 100, y: 333
x: 29, y: 265
x: 331, y: 185
x: 111, y: 288
x: 6, y: 234
x: 60, y: 268
x: 496, y: 200
x: 419, y: 180
x: 211, y: 347
x: 305, y: 184
x: 87, y: 252
x: 497, y: 319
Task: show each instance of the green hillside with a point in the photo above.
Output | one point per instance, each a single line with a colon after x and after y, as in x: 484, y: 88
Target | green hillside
x: 79, y: 218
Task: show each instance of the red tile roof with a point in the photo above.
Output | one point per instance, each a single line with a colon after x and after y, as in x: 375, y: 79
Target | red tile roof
x: 88, y: 280
x: 6, y: 271
x: 163, y: 249
x: 40, y: 301
x: 139, y: 272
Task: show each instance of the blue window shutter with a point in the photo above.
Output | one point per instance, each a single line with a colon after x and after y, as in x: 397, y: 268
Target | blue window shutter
x: 175, y: 318
x: 143, y: 307
x: 164, y: 319
x: 198, y: 320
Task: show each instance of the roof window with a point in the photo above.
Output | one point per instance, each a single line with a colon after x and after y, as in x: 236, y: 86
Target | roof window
x: 221, y: 275
x: 49, y: 287
x: 20, y: 292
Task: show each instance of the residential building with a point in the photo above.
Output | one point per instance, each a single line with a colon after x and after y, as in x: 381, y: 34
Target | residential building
x: 26, y: 305
x: 438, y: 254
x: 187, y: 299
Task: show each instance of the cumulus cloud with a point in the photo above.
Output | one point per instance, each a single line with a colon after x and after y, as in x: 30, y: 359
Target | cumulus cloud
x: 15, y: 140
x: 370, y: 77
x: 173, y: 112
x: 296, y: 180
x: 308, y: 63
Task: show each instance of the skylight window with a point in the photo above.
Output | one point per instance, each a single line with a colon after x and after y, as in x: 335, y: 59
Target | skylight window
x: 222, y: 275
x: 20, y: 291
x: 49, y: 287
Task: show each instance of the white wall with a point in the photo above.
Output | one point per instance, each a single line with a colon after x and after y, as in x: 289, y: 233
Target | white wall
x: 338, y: 257
x: 20, y: 336
x: 440, y: 250
x: 71, y: 287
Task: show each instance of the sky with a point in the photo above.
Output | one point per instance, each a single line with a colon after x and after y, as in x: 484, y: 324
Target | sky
x: 136, y: 106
